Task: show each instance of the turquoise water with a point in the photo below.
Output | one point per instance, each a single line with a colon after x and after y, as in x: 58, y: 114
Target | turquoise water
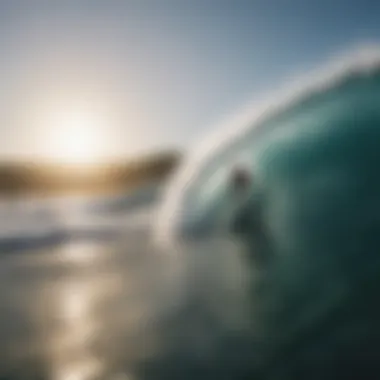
x: 309, y: 233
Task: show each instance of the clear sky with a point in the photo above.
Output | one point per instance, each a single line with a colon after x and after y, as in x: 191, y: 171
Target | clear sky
x: 112, y: 78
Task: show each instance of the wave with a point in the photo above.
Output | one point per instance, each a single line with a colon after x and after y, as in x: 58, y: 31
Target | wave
x: 234, y: 138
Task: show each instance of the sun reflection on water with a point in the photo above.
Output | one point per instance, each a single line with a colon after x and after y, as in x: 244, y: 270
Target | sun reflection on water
x: 96, y: 307
x: 72, y: 358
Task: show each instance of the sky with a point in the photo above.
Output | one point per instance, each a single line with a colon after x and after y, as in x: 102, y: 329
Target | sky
x: 86, y: 80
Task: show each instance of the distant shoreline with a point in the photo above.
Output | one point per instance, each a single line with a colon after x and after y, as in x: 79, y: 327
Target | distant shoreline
x: 39, y: 180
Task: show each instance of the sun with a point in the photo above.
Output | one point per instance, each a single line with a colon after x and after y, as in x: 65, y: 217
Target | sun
x: 73, y: 127
x: 74, y: 135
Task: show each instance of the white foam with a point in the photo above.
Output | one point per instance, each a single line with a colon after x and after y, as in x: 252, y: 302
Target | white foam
x: 38, y: 218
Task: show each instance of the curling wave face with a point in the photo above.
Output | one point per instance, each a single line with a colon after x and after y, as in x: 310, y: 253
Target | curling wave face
x: 202, y: 179
x: 313, y: 213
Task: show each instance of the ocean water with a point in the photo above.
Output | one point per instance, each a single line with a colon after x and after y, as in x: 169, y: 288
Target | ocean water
x: 68, y: 288
x: 84, y: 295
